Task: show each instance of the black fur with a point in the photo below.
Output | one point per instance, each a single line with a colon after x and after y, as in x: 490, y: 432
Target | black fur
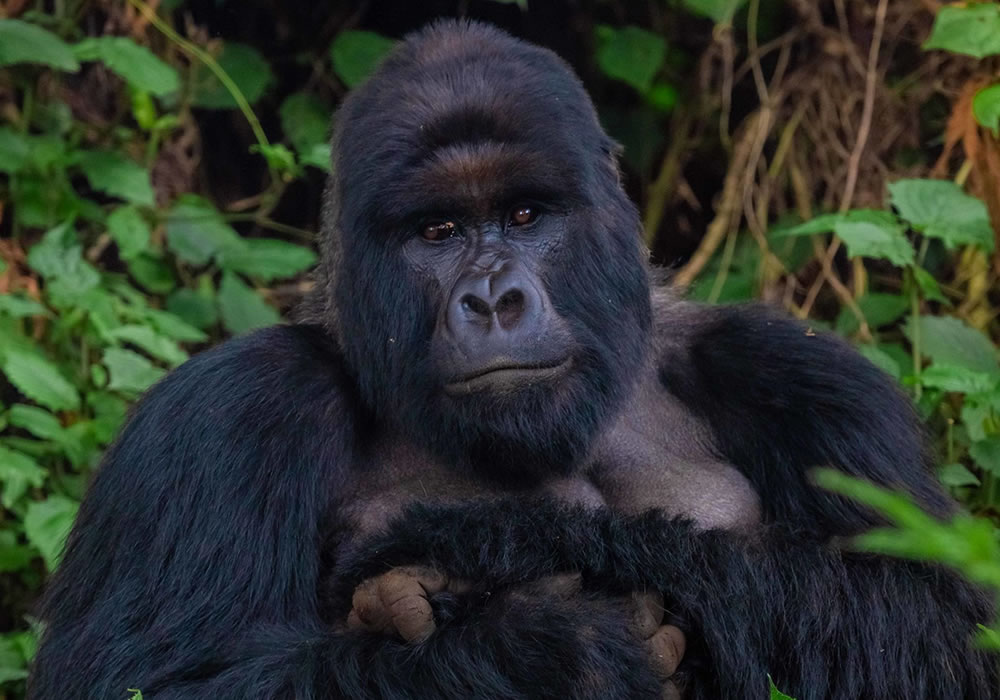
x: 196, y: 566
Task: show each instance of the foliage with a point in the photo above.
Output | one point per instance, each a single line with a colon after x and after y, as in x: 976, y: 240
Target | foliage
x: 158, y: 188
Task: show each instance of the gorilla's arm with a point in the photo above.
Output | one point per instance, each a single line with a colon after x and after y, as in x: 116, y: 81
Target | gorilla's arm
x: 822, y: 621
x: 192, y: 570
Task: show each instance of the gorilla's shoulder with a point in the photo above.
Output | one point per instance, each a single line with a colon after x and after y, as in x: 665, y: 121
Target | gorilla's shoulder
x: 753, y: 354
x: 268, y: 367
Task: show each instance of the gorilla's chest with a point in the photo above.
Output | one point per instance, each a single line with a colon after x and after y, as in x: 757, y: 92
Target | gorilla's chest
x: 653, y: 455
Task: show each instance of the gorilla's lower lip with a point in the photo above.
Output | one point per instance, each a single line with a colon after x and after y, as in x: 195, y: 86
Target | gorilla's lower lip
x: 506, y: 378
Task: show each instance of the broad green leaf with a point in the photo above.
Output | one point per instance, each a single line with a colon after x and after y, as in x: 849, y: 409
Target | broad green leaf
x: 152, y: 273
x: 981, y: 415
x: 630, y: 54
x: 22, y: 42
x: 174, y: 326
x: 878, y: 309
x: 717, y: 10
x: 42, y: 203
x: 305, y: 120
x: 355, y: 54
x: 663, y: 96
x: 196, y: 231
x: 147, y: 339
x: 130, y: 231
x: 868, y: 240
x: 58, y: 257
x: 15, y: 149
x: 973, y: 30
x: 13, y: 665
x: 195, y: 307
x: 775, y: 693
x: 130, y: 372
x: 958, y: 379
x: 268, y: 259
x: 242, y: 308
x: 136, y: 64
x: 826, y: 223
x: 244, y: 65
x: 881, y: 359
x: 13, y: 555
x: 39, y: 380
x: 17, y: 472
x: 957, y: 475
x: 986, y: 107
x: 109, y: 414
x: 277, y: 155
x: 929, y: 286
x: 940, y: 209
x: 117, y: 175
x: 17, y: 306
x: 949, y: 341
x: 986, y: 454
x: 46, y: 525
x: 36, y: 421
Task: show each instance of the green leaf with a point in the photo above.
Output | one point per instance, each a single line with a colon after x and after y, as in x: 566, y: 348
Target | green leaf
x: 630, y: 54
x: 940, y: 209
x: 775, y: 693
x: 39, y: 380
x: 152, y: 273
x: 131, y: 373
x: 881, y: 359
x: 13, y: 665
x: 47, y: 524
x: 174, y: 326
x: 15, y: 149
x: 196, y: 231
x: 13, y: 555
x: 973, y: 30
x: 958, y: 379
x: 109, y: 414
x: 195, y: 308
x: 355, y: 54
x: 136, y: 64
x: 717, y: 10
x: 956, y: 475
x: 986, y: 107
x: 152, y: 342
x: 17, y: 306
x: 868, y: 240
x: 305, y: 120
x: 928, y: 285
x: 17, y: 472
x: 826, y: 223
x: 244, y: 65
x: 37, y: 421
x: 21, y: 42
x: 129, y: 230
x: 115, y: 174
x: 242, y: 308
x: 59, y: 259
x: 268, y: 259
x: 277, y: 155
x: 986, y: 454
x: 949, y: 341
x: 878, y: 309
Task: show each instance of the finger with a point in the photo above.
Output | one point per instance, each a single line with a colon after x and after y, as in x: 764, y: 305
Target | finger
x: 671, y: 691
x: 430, y: 580
x: 405, y: 598
x: 647, y: 613
x: 666, y: 649
x: 367, y: 607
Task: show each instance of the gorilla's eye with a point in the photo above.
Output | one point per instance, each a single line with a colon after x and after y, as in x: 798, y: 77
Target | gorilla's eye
x: 439, y: 231
x: 522, y: 216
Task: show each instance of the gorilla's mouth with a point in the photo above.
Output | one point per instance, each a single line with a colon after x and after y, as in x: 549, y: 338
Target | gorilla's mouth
x: 506, y: 378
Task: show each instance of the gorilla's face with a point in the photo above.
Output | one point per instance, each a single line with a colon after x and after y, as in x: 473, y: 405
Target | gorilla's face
x: 488, y: 280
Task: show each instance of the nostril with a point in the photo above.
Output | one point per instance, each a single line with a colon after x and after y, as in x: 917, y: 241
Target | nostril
x: 511, y: 301
x: 473, y: 304
x: 510, y: 308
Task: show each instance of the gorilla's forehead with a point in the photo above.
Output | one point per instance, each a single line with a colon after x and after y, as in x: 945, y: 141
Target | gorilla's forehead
x: 468, y: 100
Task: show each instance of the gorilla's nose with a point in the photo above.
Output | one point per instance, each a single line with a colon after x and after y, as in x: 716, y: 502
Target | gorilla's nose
x: 503, y: 300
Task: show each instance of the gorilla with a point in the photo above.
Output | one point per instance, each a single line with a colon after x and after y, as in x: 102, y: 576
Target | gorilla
x: 493, y: 460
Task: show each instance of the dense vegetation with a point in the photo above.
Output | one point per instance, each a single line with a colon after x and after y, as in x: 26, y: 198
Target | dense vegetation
x: 161, y: 165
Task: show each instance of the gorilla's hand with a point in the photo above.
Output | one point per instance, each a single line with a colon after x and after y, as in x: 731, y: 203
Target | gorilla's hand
x: 397, y: 603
